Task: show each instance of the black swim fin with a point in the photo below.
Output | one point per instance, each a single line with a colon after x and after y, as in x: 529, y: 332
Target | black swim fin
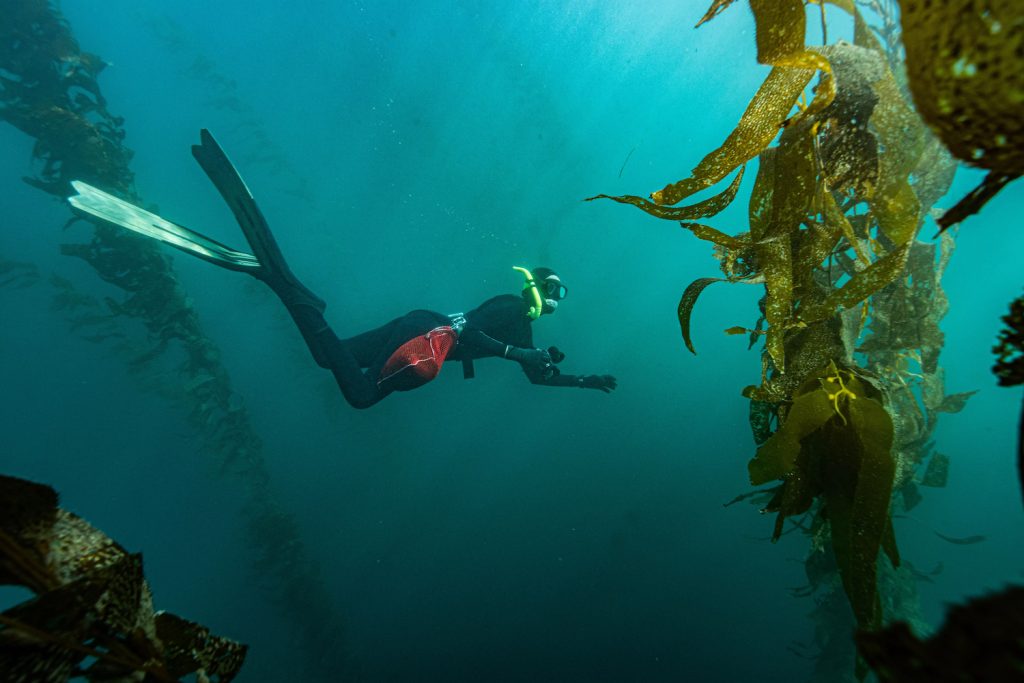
x: 274, y: 269
x: 265, y: 263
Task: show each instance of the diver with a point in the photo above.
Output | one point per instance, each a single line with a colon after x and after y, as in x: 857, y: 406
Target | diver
x: 398, y: 356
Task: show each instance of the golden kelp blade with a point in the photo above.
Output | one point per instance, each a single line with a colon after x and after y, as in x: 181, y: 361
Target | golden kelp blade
x: 849, y: 150
x: 705, y: 209
x: 861, y: 285
x: 781, y: 29
x: 792, y: 189
x: 758, y: 126
x: 686, y: 303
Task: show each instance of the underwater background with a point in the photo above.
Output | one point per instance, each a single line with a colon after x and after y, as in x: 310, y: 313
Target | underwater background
x: 407, y: 156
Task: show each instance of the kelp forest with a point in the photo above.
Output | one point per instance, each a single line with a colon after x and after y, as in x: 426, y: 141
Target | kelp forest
x: 854, y: 142
x: 850, y: 145
x: 49, y: 91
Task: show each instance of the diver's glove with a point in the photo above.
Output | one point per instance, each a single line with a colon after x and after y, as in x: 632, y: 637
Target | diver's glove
x: 535, y: 359
x: 605, y: 383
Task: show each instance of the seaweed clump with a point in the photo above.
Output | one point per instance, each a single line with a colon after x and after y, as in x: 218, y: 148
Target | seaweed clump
x: 91, y: 602
x: 851, y: 387
x: 965, y: 68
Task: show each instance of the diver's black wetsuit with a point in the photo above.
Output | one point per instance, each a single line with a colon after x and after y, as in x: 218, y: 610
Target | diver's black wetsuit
x: 357, y: 361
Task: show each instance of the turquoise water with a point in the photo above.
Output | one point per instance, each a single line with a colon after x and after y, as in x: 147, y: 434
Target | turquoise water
x: 408, y: 156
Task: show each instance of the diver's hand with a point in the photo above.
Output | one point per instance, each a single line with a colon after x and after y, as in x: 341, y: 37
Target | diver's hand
x: 535, y: 359
x: 605, y: 383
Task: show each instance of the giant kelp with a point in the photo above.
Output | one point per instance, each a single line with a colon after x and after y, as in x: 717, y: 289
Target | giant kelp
x: 49, y: 90
x: 91, y: 602
x: 852, y: 299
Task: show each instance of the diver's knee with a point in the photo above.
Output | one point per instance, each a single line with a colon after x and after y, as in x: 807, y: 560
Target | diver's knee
x: 361, y: 401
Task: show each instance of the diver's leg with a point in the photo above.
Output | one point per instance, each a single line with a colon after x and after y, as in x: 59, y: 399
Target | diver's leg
x: 359, y: 388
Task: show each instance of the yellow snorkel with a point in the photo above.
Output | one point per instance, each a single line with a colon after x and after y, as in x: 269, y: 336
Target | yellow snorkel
x: 531, y: 284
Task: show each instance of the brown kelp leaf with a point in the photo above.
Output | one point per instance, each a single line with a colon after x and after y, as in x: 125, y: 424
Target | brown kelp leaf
x: 190, y: 646
x: 736, y: 330
x: 934, y: 173
x: 849, y: 150
x: 974, y: 200
x: 27, y: 512
x: 793, y: 188
x: 870, y: 511
x: 686, y: 303
x: 25, y: 504
x: 860, y: 286
x: 761, y: 416
x: 123, y: 608
x: 937, y: 473
x: 704, y: 209
x: 757, y: 497
x: 816, y: 243
x: 797, y: 495
x: 776, y: 458
x: 757, y: 127
x: 902, y: 139
x: 954, y: 403
x: 889, y: 542
x: 717, y: 7
x: 715, y: 236
x: 962, y: 540
x: 781, y: 26
x: 897, y: 209
x: 965, y: 66
x: 77, y: 548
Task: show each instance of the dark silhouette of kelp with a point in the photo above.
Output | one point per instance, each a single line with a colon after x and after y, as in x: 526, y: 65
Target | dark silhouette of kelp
x: 982, y: 641
x: 48, y: 89
x: 1009, y: 367
x: 91, y: 602
x: 965, y: 68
